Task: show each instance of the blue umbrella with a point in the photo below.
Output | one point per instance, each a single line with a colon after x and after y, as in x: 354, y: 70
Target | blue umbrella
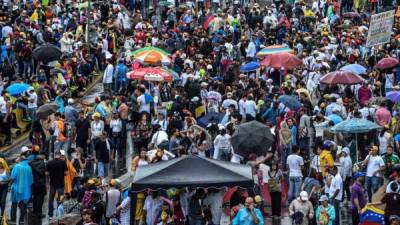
x: 251, y: 66
x: 355, y: 126
x: 290, y: 101
x: 354, y: 68
x: 17, y: 88
x: 394, y: 96
x: 211, y: 117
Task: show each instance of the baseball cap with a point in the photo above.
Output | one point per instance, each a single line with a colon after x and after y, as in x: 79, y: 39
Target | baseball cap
x: 359, y: 174
x: 323, y: 198
x: 304, y: 195
x: 394, y: 218
x: 24, y: 149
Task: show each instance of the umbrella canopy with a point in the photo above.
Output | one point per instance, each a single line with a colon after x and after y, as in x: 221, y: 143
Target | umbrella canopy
x: 17, y: 88
x: 387, y: 63
x: 394, y: 96
x: 174, y: 74
x: 355, y: 126
x: 152, y: 55
x: 282, y: 60
x: 252, y: 137
x: 273, y: 49
x: 47, y: 53
x: 47, y: 109
x: 290, y: 101
x: 354, y: 68
x: 209, y: 22
x: 351, y: 15
x: 251, y: 66
x: 192, y: 172
x: 211, y: 117
x: 341, y: 77
x: 150, y: 74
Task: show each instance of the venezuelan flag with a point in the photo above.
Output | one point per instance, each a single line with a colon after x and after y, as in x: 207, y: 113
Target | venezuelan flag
x: 371, y: 215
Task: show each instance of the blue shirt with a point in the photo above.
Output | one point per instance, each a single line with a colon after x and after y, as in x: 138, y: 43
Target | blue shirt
x: 22, y: 178
x: 271, y: 114
x: 335, y: 118
x: 243, y: 217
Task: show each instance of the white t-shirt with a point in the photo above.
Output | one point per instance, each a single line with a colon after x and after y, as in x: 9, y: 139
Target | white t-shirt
x: 159, y: 137
x: 32, y: 101
x: 336, y: 183
x: 143, y: 106
x: 116, y: 126
x: 374, y: 163
x: 295, y: 162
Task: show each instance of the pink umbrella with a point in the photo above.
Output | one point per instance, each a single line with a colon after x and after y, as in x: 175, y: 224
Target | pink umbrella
x: 283, y: 60
x: 387, y: 63
x: 341, y: 77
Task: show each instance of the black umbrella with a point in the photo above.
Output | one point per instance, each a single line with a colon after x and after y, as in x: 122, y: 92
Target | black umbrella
x: 252, y: 137
x: 47, y: 109
x: 47, y: 53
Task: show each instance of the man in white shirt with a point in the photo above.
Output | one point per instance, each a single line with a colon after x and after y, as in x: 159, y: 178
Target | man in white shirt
x: 152, y: 206
x: 295, y: 164
x: 32, y: 103
x: 336, y: 192
x: 143, y: 105
x: 159, y: 138
x: 375, y: 167
x: 229, y: 101
x: 108, y: 78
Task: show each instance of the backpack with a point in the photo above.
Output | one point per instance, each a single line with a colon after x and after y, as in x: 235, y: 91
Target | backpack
x: 87, y: 200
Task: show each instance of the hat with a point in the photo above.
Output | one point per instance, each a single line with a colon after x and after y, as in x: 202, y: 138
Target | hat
x: 304, y: 195
x: 327, y: 144
x: 70, y: 101
x: 257, y: 199
x: 96, y: 114
x: 24, y: 149
x: 203, y: 84
x: 359, y: 174
x: 209, y: 67
x: 323, y: 198
x: 195, y: 99
x: 62, y: 152
x: 114, y: 182
x: 394, y: 218
x: 229, y: 94
x: 269, y: 80
x: 346, y: 150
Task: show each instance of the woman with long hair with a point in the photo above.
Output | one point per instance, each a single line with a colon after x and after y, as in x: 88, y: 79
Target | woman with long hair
x: 274, y: 186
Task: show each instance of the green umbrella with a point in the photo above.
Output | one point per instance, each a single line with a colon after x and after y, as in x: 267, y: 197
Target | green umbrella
x: 134, y: 53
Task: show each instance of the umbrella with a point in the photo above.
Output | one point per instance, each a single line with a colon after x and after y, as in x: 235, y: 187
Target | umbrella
x: 174, y: 74
x: 387, y: 63
x: 341, y: 77
x: 152, y: 55
x: 290, y: 101
x: 273, y: 49
x: 165, y: 3
x: 355, y: 126
x: 351, y: 15
x: 47, y: 109
x: 209, y: 22
x: 252, y: 137
x: 211, y: 117
x: 394, y: 96
x: 251, y: 66
x: 283, y: 60
x: 47, y: 53
x: 354, y: 68
x: 17, y: 88
x: 150, y: 74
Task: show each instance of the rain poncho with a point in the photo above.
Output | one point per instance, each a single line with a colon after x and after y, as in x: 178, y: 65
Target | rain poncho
x: 69, y: 177
x: 22, y: 181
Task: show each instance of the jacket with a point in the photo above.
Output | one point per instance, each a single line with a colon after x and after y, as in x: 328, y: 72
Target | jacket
x: 39, y: 172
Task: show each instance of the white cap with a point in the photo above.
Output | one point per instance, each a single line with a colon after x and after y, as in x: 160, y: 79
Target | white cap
x: 24, y: 149
x: 195, y: 99
x: 70, y: 101
x: 304, y: 195
x: 203, y: 84
x: 209, y: 67
x: 62, y: 152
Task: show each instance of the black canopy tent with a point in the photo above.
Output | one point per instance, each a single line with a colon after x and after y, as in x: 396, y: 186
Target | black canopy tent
x: 192, y: 172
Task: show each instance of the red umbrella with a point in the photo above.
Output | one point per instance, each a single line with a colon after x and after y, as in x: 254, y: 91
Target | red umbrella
x: 284, y: 60
x: 387, y: 63
x: 341, y: 77
x: 209, y: 22
x: 150, y: 74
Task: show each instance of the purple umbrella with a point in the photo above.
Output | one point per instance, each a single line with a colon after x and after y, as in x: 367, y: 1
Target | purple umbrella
x: 394, y: 96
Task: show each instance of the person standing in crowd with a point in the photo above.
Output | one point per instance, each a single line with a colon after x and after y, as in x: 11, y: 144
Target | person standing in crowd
x: 375, y: 168
x: 295, y: 164
x: 301, y: 210
x: 249, y: 215
x: 56, y: 169
x: 39, y: 189
x: 101, y: 155
x: 325, y: 213
x: 346, y: 171
x: 21, y: 181
x: 82, y: 133
x: 358, y: 200
x: 116, y: 136
x: 336, y: 193
x: 392, y: 201
x: 111, y: 198
x: 108, y: 77
x: 276, y: 177
x: 32, y: 103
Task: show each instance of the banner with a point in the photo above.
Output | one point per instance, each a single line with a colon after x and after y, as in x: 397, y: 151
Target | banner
x: 380, y: 28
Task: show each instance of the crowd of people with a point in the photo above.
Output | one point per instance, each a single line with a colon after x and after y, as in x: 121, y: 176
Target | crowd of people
x: 312, y: 172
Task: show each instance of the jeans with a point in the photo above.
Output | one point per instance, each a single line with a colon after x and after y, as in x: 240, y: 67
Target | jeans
x: 102, y: 169
x: 119, y: 84
x: 336, y: 205
x: 116, y: 144
x: 60, y: 145
x: 27, y: 69
x: 107, y: 89
x: 372, y: 185
x: 32, y: 113
x: 294, y: 187
x: 53, y: 190
x: 22, y: 211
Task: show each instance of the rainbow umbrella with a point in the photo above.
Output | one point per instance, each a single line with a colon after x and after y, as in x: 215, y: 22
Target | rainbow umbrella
x: 209, y: 22
x: 273, y: 49
x: 152, y: 55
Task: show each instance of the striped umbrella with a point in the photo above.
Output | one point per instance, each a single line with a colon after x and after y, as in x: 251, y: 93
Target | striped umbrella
x: 150, y: 74
x: 273, y: 49
x: 209, y: 22
x: 152, y: 55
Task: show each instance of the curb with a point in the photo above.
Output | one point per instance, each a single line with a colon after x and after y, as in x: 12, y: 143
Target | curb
x: 23, y: 137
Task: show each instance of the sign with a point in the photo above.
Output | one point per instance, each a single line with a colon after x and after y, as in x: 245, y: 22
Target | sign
x: 380, y: 28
